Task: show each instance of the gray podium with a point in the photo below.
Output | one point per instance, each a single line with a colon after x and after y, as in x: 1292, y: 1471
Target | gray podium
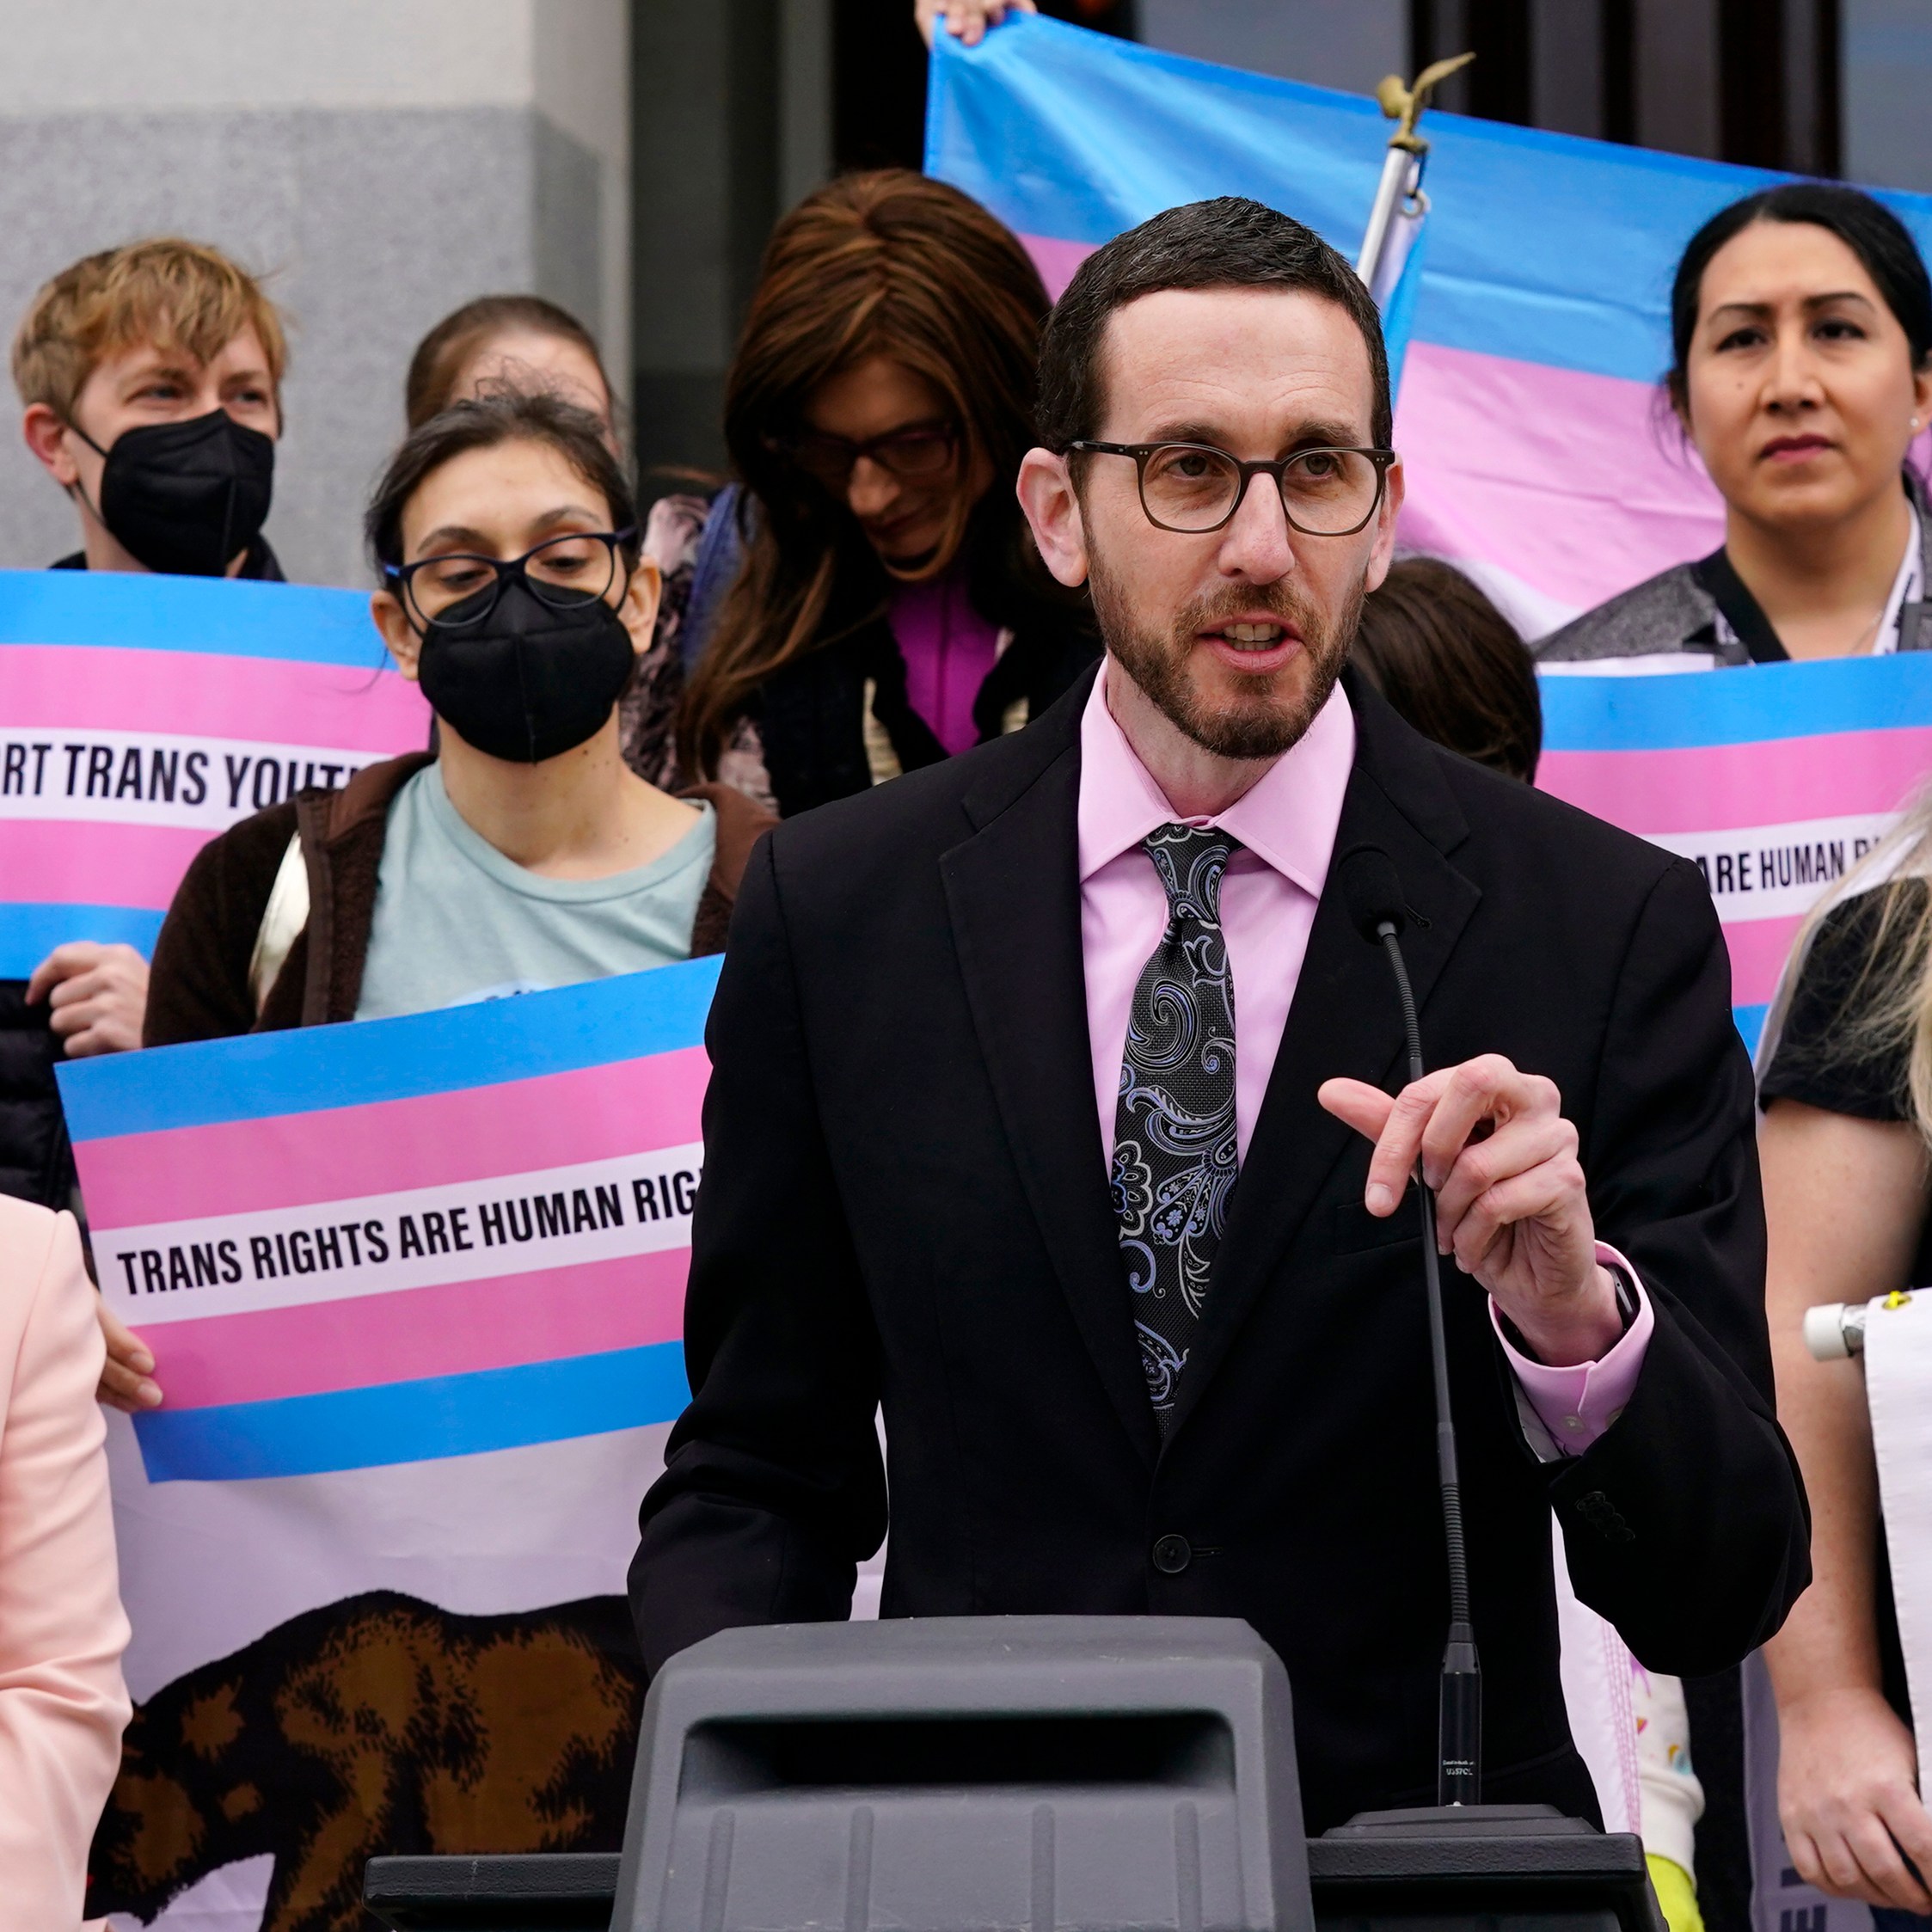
x: 1041, y: 1774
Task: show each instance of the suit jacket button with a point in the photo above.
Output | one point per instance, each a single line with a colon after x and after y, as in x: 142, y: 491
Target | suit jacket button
x: 1172, y: 1555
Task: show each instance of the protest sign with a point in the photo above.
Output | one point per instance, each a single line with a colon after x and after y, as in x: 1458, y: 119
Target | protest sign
x: 414, y: 1291
x: 1773, y: 782
x: 140, y: 716
x: 1534, y: 450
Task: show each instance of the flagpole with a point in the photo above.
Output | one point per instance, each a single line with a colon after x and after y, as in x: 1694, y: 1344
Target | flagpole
x: 1401, y: 185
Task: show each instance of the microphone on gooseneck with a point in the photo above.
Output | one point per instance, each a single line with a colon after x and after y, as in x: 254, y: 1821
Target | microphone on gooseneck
x: 1373, y: 891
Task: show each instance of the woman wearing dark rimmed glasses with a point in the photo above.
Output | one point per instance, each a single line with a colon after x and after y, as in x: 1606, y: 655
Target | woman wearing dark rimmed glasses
x: 524, y: 852
x: 889, y: 608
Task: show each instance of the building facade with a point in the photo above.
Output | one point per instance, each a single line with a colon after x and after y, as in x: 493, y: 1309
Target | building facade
x: 383, y: 159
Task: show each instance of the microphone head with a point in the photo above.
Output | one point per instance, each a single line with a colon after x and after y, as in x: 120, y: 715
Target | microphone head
x: 1372, y: 889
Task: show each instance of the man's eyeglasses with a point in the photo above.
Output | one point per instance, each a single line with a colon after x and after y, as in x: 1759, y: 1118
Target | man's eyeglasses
x: 563, y: 572
x: 918, y: 452
x: 1193, y: 488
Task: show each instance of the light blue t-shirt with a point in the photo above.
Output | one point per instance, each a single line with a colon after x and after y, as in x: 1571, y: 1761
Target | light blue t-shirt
x: 456, y: 920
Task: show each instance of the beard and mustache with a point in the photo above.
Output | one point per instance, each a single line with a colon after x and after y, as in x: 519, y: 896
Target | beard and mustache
x: 1266, y: 712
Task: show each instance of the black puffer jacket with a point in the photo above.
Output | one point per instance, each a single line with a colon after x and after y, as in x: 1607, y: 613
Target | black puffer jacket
x: 36, y: 1163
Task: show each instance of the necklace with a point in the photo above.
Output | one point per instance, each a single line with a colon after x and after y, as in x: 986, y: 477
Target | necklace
x: 1868, y: 638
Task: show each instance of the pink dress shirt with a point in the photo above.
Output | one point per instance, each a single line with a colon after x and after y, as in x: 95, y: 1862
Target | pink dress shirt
x: 63, y: 1705
x: 1286, y: 826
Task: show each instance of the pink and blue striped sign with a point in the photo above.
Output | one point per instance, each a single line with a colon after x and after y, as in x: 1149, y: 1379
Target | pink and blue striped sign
x: 1773, y: 780
x: 141, y: 715
x: 1527, y: 422
x: 403, y: 1239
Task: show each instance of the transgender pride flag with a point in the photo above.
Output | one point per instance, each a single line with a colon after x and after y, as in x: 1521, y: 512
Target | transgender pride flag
x: 141, y: 715
x: 1774, y: 781
x: 403, y: 1240
x: 1527, y: 422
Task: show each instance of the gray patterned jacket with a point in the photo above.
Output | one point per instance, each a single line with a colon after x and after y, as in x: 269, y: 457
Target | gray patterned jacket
x: 1677, y: 611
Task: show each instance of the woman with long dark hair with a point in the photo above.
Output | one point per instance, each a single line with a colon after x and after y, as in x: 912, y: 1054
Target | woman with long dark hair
x: 1801, y: 369
x: 889, y: 608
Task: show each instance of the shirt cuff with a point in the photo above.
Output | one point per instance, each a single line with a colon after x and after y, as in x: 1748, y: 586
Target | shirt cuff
x: 1575, y: 1405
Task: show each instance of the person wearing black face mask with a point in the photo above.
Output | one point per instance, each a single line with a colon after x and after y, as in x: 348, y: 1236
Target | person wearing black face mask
x: 186, y: 498
x: 150, y: 376
x: 525, y: 853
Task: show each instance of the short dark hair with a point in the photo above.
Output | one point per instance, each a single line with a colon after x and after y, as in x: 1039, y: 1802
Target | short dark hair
x: 1869, y: 228
x: 1452, y: 664
x: 1230, y: 242
x: 482, y: 423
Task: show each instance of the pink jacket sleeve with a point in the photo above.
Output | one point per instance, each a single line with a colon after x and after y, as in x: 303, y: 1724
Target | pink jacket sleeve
x: 63, y: 1704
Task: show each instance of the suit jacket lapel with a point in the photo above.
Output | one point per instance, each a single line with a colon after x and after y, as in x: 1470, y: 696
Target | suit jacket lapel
x: 1013, y: 890
x: 1345, y: 1018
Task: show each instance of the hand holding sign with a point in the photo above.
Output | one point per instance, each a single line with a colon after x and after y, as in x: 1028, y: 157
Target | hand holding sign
x: 98, y: 996
x: 126, y: 1381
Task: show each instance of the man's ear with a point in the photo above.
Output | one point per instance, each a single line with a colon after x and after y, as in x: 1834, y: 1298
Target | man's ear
x: 1052, y: 507
x: 1384, y: 549
x: 639, y: 611
x: 46, y: 434
x: 398, y: 633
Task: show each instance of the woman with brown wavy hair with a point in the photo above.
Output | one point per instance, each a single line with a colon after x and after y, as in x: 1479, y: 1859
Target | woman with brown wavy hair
x: 890, y: 609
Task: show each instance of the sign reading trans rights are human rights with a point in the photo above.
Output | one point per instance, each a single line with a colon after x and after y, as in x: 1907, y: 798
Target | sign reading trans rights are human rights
x: 402, y: 1240
x: 140, y: 716
x: 1774, y: 780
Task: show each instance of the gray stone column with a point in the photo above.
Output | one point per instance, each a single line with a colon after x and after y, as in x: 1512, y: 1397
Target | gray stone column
x: 381, y: 161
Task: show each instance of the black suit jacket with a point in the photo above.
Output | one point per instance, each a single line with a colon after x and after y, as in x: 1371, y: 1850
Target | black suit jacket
x: 905, y: 1203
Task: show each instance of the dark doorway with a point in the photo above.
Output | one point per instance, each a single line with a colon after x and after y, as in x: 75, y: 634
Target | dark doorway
x: 1498, y: 85
x: 879, y: 75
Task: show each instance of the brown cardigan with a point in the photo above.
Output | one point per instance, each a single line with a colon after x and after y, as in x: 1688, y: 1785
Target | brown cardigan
x: 198, y: 988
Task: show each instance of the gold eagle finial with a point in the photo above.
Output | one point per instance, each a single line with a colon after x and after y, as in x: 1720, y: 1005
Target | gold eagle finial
x: 1404, y: 104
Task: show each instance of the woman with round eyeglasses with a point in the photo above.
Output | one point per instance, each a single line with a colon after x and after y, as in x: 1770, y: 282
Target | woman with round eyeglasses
x: 524, y: 852
x: 867, y: 600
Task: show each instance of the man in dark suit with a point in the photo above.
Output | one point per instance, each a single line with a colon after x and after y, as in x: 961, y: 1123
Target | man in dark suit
x: 1048, y: 1110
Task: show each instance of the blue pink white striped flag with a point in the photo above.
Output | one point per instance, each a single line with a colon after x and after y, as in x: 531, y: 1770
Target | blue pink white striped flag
x: 405, y: 1239
x: 1527, y: 421
x: 141, y: 715
x: 1774, y: 780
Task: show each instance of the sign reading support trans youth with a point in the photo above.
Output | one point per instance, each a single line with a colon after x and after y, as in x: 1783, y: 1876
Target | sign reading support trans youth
x: 141, y: 715
x: 1773, y: 780
x: 414, y: 1290
x: 404, y: 1239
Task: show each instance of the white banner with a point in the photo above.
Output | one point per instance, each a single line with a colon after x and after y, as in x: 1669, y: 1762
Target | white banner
x: 1898, y: 1387
x: 1777, y: 871
x: 290, y: 1257
x: 159, y: 778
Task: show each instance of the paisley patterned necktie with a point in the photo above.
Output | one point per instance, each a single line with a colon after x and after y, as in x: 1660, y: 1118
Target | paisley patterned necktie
x: 1174, y: 1152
